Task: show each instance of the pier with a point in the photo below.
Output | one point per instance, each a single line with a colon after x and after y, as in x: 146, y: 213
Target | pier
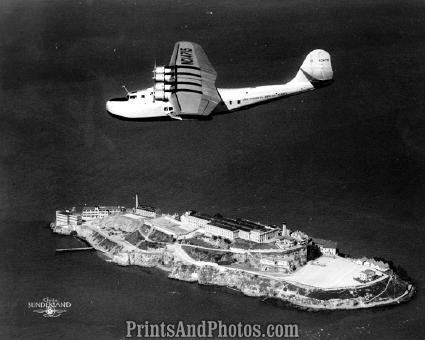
x: 64, y: 250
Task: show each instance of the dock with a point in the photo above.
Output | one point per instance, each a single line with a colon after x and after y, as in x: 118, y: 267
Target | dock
x: 64, y: 250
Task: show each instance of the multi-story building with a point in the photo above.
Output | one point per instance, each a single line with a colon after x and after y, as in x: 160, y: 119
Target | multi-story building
x: 220, y: 228
x: 232, y: 228
x: 195, y: 219
x: 67, y: 218
x: 90, y: 213
x: 254, y: 231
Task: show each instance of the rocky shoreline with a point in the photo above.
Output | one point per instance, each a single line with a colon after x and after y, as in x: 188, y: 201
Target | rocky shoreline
x: 391, y: 291
x: 309, y: 299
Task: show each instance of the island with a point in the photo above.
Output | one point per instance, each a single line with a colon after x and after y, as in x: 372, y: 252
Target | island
x: 259, y: 260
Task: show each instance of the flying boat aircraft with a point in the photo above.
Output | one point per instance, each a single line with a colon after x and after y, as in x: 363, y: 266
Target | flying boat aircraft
x: 186, y: 87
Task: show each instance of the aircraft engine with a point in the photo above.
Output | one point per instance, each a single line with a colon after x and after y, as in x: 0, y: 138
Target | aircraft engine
x: 163, y: 69
x: 162, y: 95
x: 160, y: 86
x: 163, y: 77
x: 159, y: 70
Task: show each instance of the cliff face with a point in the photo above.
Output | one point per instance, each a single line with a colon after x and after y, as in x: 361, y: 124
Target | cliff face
x: 389, y: 291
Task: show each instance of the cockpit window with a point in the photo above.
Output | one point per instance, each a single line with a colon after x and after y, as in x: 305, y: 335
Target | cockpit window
x: 132, y: 97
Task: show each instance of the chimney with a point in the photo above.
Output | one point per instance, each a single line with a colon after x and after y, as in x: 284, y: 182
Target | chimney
x: 284, y: 232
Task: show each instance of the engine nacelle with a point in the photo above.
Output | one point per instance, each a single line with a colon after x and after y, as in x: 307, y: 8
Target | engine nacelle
x: 162, y: 95
x: 159, y: 70
x: 163, y: 69
x: 163, y: 77
x: 160, y: 86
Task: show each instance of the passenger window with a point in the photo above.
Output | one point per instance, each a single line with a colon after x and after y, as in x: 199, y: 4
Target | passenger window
x: 230, y: 102
x: 143, y: 96
x: 132, y: 97
x: 239, y: 101
x: 165, y: 108
x: 170, y: 108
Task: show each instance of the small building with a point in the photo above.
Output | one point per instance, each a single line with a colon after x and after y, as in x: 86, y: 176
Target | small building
x: 367, y: 275
x: 282, y: 263
x: 145, y: 211
x: 275, y: 266
x: 195, y: 219
x: 326, y: 247
x: 93, y: 212
x: 66, y: 217
x: 267, y: 262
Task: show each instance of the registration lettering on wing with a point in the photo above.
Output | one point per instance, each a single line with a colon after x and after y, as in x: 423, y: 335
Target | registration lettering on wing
x: 186, y: 56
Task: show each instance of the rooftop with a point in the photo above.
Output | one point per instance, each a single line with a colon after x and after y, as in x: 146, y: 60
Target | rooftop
x: 170, y: 225
x: 133, y: 216
x: 224, y: 224
x: 67, y: 212
x: 243, y: 224
x: 325, y: 243
x: 103, y: 207
x: 201, y: 215
x: 146, y: 207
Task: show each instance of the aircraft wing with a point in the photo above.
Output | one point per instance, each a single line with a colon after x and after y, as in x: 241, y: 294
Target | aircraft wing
x: 195, y: 92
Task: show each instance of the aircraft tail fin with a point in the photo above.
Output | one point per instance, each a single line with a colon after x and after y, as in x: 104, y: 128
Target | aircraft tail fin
x: 316, y: 68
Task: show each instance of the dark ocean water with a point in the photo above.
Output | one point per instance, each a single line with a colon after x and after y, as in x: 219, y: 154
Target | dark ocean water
x: 346, y: 162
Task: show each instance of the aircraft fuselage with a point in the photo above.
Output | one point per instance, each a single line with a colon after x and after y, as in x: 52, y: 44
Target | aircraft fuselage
x: 141, y: 104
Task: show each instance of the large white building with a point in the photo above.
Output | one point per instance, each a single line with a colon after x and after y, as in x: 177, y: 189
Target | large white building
x: 240, y: 228
x: 255, y: 231
x: 230, y: 228
x: 224, y: 230
x: 67, y: 218
x: 90, y: 213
